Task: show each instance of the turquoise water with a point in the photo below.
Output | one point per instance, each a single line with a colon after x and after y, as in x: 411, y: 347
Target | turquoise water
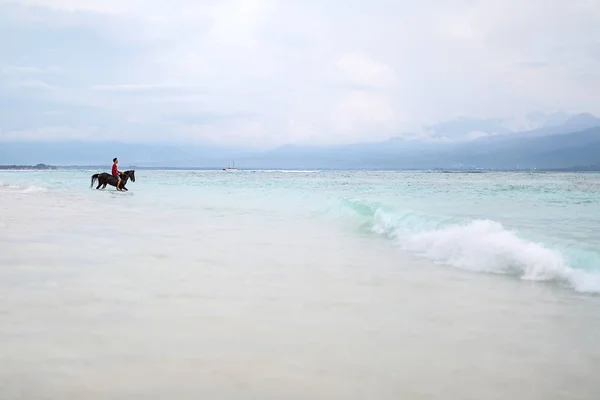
x: 300, y: 284
x: 541, y: 226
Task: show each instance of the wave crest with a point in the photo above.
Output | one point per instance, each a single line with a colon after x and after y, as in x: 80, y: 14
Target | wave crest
x: 478, y: 245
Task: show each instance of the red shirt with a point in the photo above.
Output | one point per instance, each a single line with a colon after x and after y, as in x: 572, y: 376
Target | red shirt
x: 114, y: 170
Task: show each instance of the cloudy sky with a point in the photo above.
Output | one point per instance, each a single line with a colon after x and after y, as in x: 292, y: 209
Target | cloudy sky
x: 265, y: 72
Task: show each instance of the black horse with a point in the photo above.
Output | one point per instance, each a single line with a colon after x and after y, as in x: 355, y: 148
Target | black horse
x: 107, y: 179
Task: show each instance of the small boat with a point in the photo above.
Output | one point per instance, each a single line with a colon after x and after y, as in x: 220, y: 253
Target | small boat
x: 233, y: 168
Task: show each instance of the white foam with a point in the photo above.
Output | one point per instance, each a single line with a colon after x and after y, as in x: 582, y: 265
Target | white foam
x: 8, y: 186
x: 34, y: 189
x: 301, y: 171
x: 291, y: 171
x: 486, y: 246
x: 28, y: 189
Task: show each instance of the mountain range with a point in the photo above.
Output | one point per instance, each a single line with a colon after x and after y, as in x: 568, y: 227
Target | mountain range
x: 568, y: 142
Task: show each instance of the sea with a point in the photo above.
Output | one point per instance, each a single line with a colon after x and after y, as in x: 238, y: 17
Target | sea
x: 300, y: 285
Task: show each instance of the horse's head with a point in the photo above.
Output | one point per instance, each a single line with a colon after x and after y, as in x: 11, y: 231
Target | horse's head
x: 130, y: 174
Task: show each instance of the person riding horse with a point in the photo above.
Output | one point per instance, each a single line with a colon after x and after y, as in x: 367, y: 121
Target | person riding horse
x: 116, y: 178
x: 116, y: 173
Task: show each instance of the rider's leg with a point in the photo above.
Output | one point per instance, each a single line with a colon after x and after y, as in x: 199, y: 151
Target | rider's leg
x: 118, y: 182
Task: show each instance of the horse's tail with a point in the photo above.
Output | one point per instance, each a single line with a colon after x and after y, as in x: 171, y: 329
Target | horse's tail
x: 94, y: 179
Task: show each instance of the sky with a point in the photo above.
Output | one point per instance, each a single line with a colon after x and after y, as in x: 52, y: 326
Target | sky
x: 264, y: 73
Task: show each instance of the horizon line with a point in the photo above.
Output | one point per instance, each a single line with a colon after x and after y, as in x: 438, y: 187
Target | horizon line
x: 45, y: 167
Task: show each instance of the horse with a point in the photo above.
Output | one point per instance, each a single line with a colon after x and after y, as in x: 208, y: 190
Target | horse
x: 107, y: 179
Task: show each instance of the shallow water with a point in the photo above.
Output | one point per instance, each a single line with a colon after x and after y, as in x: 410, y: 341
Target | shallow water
x: 272, y: 284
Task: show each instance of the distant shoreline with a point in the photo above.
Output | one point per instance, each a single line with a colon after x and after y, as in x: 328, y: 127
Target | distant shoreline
x: 27, y: 167
x: 41, y: 167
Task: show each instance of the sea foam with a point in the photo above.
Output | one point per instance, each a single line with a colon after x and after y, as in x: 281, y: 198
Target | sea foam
x: 34, y: 189
x: 26, y: 189
x: 480, y: 245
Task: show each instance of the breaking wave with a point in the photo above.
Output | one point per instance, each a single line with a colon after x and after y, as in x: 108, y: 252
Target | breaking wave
x: 480, y: 245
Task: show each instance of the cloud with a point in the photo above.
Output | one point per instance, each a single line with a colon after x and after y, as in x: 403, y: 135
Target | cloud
x: 359, y: 109
x: 128, y: 88
x: 52, y: 133
x: 33, y: 84
x: 160, y: 91
x: 358, y: 69
x: 294, y: 71
x: 14, y: 69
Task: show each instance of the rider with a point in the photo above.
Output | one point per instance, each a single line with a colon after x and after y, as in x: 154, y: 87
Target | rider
x: 115, y: 172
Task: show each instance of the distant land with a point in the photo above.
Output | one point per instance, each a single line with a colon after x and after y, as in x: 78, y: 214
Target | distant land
x: 588, y: 168
x: 568, y: 143
x: 27, y: 167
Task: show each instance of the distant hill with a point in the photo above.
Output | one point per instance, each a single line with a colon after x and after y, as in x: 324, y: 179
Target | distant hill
x: 574, y: 143
x: 574, y: 123
x: 464, y: 127
x: 539, y: 124
x: 542, y: 152
x: 27, y: 167
x: 102, y: 153
x: 521, y: 151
